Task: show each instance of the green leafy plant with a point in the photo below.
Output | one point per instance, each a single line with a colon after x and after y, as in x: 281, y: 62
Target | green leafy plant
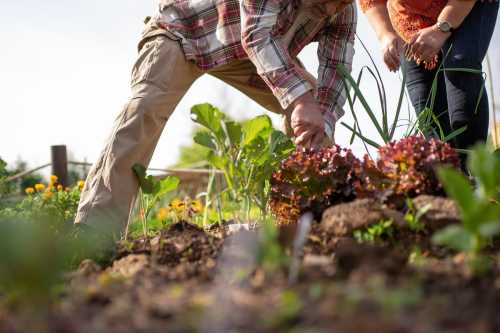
x: 405, y: 169
x: 247, y: 153
x: 373, y: 233
x: 479, y: 209
x: 312, y: 180
x: 50, y: 204
x: 152, y: 191
x: 413, y: 216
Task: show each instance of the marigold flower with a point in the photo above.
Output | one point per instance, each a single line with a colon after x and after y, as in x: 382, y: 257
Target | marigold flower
x: 178, y: 205
x: 29, y: 190
x: 60, y: 188
x: 53, y: 179
x: 196, y: 206
x: 162, y: 214
x: 47, y: 195
x: 81, y: 184
x: 39, y: 187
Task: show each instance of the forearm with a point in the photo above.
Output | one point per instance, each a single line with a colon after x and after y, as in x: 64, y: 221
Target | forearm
x: 378, y: 16
x: 456, y: 11
x: 268, y: 54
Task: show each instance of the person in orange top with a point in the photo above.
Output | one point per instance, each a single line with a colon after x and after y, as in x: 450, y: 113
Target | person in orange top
x: 425, y: 35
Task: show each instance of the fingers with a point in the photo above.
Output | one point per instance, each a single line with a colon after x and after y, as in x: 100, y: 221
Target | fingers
x: 317, y: 140
x: 298, y: 130
x: 305, y: 139
x: 391, y: 60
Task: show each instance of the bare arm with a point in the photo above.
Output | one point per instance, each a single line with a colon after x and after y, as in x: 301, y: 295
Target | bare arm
x: 378, y: 16
x: 392, y: 44
x: 428, y: 42
x: 456, y: 11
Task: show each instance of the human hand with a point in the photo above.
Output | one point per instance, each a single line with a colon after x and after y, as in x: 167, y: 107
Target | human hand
x: 392, y: 49
x: 427, y: 43
x: 307, y: 122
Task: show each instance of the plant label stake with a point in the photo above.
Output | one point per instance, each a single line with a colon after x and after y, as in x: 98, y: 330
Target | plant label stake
x: 304, y: 226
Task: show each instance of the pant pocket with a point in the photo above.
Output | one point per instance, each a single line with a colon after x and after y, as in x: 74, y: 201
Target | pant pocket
x: 148, y: 55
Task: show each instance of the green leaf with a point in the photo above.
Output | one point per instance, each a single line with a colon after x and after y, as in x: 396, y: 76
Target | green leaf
x: 166, y: 185
x: 399, y: 107
x: 205, y: 139
x: 485, y: 166
x: 458, y: 187
x: 361, y: 136
x: 207, y: 116
x: 455, y: 237
x: 454, y: 134
x: 280, y: 144
x: 254, y: 127
x: 346, y: 74
x: 490, y: 229
x: 234, y: 132
x: 217, y: 162
x: 146, y: 183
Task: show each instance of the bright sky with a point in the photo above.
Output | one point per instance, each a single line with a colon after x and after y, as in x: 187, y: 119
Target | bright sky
x: 65, y: 72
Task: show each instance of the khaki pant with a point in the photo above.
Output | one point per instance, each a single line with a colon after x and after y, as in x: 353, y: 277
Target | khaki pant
x: 160, y: 78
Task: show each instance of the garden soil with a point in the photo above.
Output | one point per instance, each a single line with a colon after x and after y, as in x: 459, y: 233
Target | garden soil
x: 187, y: 279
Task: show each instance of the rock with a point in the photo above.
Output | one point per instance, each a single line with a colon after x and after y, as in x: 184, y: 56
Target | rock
x: 130, y: 265
x: 440, y: 211
x: 343, y: 219
x: 88, y: 267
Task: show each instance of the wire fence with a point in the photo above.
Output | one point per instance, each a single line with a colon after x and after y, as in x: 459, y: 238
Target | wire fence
x: 60, y: 163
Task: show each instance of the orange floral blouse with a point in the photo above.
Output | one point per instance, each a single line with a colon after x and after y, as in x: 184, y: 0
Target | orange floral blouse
x: 409, y: 16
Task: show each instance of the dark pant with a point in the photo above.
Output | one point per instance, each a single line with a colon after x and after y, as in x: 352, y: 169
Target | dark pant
x: 461, y: 98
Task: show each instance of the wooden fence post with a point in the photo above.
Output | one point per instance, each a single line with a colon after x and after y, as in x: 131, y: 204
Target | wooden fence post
x: 59, y: 158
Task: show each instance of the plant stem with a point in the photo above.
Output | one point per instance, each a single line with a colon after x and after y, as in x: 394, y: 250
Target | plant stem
x: 208, y: 200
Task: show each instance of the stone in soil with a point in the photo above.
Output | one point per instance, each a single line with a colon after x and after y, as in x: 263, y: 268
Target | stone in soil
x: 341, y: 220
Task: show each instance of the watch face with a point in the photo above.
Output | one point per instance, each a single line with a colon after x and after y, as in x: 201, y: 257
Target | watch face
x: 444, y: 26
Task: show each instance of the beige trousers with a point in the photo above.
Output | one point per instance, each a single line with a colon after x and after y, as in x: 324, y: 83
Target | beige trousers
x: 160, y: 78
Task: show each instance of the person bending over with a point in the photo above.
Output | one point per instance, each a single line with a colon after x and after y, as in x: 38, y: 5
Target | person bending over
x: 446, y: 34
x: 251, y: 45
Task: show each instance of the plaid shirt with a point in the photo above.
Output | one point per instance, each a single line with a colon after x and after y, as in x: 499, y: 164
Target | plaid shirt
x: 214, y: 33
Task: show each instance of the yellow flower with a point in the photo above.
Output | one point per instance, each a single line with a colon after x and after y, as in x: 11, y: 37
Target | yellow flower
x: 162, y: 214
x: 178, y: 205
x: 47, y: 195
x: 60, y: 188
x: 53, y: 180
x: 196, y: 206
x: 29, y: 190
x: 39, y: 187
x: 81, y: 184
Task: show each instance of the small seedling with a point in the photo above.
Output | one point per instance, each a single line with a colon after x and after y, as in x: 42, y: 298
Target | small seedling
x: 152, y: 190
x: 413, y: 217
x: 373, y: 233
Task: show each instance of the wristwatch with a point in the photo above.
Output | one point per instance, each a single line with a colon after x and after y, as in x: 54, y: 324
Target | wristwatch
x: 444, y: 27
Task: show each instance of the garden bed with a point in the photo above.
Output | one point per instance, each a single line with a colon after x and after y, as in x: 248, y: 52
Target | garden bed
x: 186, y: 279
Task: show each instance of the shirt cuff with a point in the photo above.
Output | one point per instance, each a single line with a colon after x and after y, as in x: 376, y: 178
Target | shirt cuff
x: 331, y: 103
x: 287, y: 85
